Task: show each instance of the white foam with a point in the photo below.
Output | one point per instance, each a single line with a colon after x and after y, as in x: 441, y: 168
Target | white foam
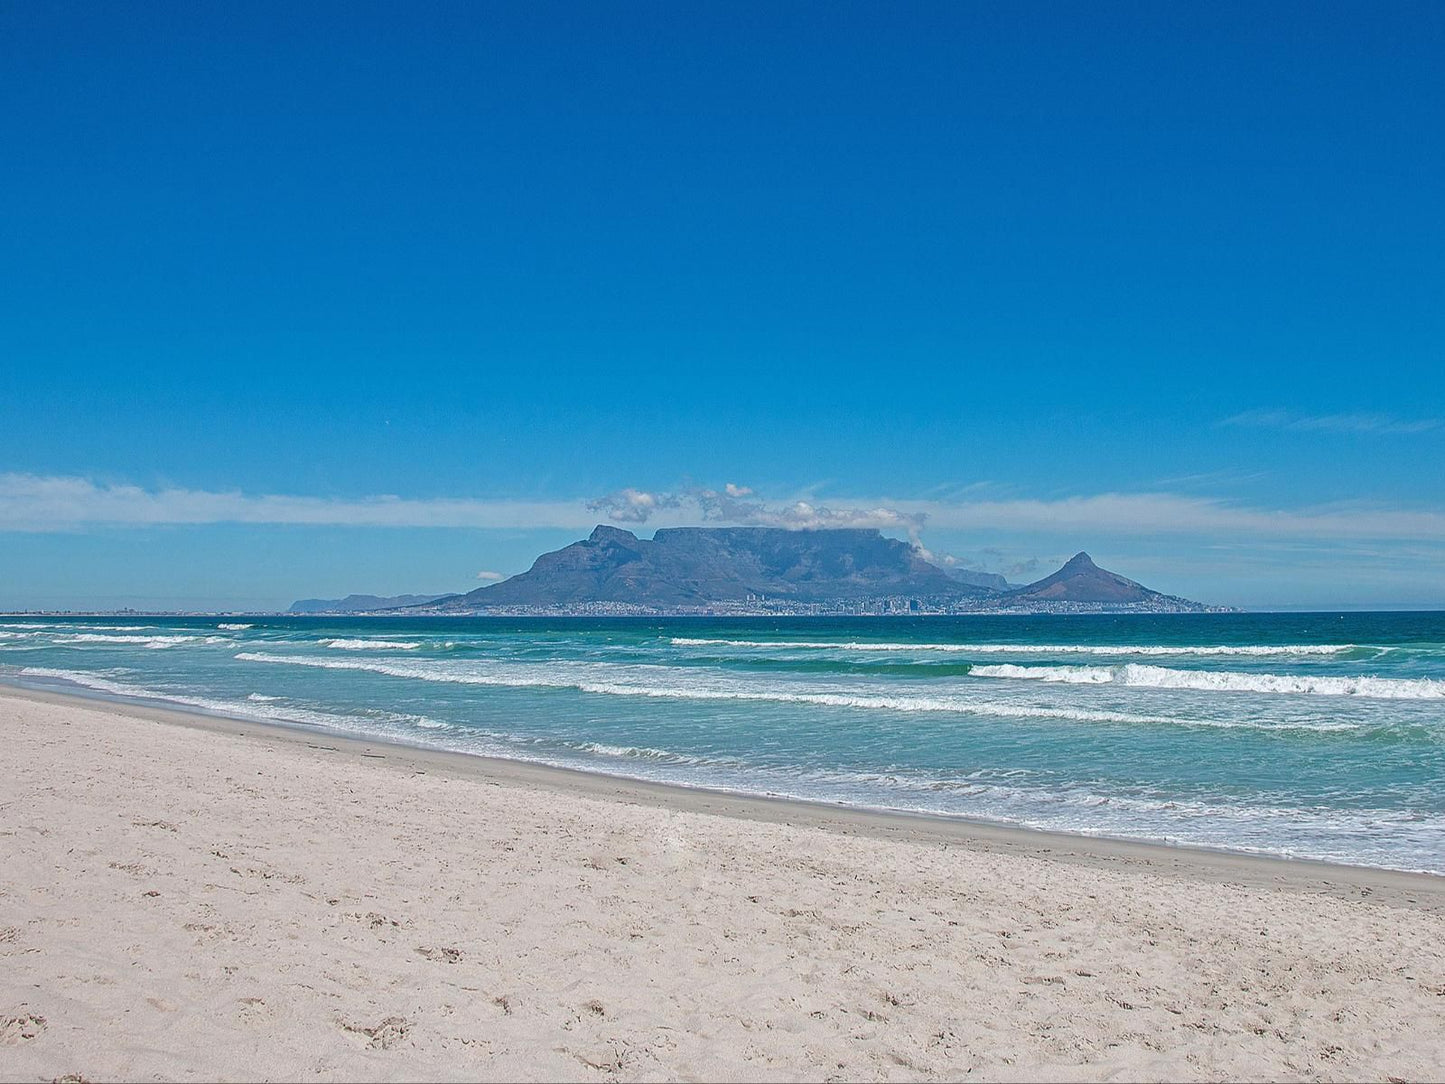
x: 372, y: 645
x: 1161, y: 677
x: 649, y: 754
x: 231, y: 626
x: 1392, y: 838
x: 1030, y: 649
x: 153, y: 642
x: 559, y: 677
x: 52, y: 626
x: 255, y: 706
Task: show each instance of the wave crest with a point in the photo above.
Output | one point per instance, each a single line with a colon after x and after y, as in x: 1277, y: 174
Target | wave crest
x: 372, y: 645
x: 675, y: 689
x: 1263, y: 650
x: 1138, y: 675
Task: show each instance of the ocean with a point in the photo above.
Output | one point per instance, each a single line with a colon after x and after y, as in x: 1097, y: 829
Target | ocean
x: 1305, y: 735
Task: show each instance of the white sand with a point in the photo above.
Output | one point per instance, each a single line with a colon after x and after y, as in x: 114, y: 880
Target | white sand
x: 217, y: 900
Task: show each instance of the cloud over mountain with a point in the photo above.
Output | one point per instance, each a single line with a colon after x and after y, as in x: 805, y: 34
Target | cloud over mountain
x: 40, y: 503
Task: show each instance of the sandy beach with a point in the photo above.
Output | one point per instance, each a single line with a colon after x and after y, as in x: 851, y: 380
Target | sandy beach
x: 185, y: 897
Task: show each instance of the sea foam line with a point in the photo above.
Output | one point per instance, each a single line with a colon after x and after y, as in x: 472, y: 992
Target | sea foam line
x: 372, y: 645
x: 256, y: 705
x: 153, y: 642
x: 1030, y: 649
x: 556, y: 678
x: 68, y: 626
x: 1138, y: 675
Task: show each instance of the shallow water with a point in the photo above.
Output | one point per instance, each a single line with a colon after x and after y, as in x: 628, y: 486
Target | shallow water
x: 1312, y: 735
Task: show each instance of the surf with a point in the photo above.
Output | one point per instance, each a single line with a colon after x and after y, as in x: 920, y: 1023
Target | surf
x: 1135, y: 675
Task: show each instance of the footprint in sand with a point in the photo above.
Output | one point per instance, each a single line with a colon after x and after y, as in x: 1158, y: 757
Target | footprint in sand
x: 441, y: 955
x: 384, y: 1035
x: 253, y: 1010
x: 15, y: 1030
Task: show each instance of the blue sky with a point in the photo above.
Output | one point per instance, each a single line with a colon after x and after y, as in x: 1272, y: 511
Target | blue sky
x: 376, y: 298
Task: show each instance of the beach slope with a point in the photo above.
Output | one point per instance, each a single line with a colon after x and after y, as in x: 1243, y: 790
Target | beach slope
x: 183, y: 897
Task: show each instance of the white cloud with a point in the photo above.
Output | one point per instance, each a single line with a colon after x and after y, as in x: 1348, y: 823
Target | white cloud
x: 631, y: 505
x: 737, y: 505
x: 1167, y: 513
x: 491, y: 576
x: 31, y: 502
x: 40, y: 503
x: 1289, y: 421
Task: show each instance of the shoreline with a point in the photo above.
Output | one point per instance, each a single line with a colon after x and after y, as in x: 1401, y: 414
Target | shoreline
x: 1419, y: 890
x: 192, y: 897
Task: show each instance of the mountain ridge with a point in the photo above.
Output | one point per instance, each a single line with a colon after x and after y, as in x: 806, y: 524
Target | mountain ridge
x: 766, y: 570
x: 698, y: 566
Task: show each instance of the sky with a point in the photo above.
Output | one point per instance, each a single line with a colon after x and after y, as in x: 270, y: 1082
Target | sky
x: 300, y: 300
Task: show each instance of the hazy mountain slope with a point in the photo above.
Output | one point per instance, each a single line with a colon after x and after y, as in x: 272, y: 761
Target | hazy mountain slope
x: 686, y: 566
x: 358, y: 603
x: 1080, y: 580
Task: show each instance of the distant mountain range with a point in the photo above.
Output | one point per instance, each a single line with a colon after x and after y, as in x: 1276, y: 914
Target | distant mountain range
x: 762, y: 570
x: 991, y: 580
x: 353, y: 604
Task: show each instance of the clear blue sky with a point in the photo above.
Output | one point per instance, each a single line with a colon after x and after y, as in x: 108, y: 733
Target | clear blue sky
x: 1165, y: 282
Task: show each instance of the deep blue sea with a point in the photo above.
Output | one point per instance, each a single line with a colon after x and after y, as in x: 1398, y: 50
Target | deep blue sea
x: 1311, y: 735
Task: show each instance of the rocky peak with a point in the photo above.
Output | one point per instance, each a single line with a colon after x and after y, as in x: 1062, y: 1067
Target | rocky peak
x: 615, y: 535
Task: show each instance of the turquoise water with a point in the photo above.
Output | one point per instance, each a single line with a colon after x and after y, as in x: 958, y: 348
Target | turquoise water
x: 1312, y: 735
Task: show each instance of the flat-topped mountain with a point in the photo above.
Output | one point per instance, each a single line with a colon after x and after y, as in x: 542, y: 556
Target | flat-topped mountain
x: 1080, y: 580
x: 742, y: 570
x: 694, y: 566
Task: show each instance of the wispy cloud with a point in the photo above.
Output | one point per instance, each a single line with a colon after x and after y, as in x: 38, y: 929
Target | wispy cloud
x: 30, y: 502
x: 1173, y: 514
x: 1289, y: 421
x: 58, y: 503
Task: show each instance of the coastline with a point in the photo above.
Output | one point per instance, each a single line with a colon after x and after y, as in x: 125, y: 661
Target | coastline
x: 1381, y: 885
x: 183, y: 896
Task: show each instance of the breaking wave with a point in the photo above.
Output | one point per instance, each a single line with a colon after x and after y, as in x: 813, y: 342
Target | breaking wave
x: 1162, y: 677
x: 372, y: 645
x: 521, y: 677
x: 153, y: 642
x: 1031, y: 649
x: 255, y: 706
